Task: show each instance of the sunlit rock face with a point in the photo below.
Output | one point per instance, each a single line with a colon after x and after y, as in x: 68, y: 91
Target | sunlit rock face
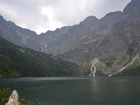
x: 13, y: 99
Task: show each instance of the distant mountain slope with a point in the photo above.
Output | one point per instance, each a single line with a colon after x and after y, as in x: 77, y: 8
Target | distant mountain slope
x: 17, y: 61
x: 117, y: 48
x: 75, y: 36
x: 19, y: 36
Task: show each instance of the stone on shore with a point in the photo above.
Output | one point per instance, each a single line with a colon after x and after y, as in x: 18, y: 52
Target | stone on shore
x: 13, y: 99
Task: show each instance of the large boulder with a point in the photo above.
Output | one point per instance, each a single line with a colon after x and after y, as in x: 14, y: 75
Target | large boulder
x: 13, y: 99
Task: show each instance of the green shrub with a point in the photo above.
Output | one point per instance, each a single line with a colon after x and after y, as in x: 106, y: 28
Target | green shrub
x: 4, y: 96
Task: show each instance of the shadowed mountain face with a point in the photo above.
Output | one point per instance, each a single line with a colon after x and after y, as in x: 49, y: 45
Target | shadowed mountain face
x: 17, y: 61
x: 113, y: 39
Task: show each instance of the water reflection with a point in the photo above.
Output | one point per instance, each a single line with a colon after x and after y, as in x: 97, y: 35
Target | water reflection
x: 116, y: 91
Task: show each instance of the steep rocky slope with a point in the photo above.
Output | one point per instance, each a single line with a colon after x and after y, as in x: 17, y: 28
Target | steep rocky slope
x: 17, y: 35
x: 117, y: 48
x: 75, y: 36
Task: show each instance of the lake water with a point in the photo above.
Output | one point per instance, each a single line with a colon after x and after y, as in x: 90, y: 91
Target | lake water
x: 77, y: 91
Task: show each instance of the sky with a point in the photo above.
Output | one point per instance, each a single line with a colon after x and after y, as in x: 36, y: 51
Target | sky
x: 44, y: 15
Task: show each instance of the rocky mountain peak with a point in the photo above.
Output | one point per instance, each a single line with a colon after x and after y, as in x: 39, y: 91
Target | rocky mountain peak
x: 112, y: 14
x: 118, y: 47
x: 91, y: 21
x: 91, y: 18
x: 132, y: 8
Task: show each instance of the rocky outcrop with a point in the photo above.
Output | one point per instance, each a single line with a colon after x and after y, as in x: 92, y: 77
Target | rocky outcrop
x: 13, y: 99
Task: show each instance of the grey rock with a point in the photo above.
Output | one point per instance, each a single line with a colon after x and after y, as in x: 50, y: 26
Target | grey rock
x: 13, y: 99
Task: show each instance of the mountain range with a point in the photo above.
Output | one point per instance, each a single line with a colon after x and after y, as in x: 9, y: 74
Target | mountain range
x: 106, y: 46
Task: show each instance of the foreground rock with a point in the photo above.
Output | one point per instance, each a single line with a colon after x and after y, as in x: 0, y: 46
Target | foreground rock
x: 13, y: 99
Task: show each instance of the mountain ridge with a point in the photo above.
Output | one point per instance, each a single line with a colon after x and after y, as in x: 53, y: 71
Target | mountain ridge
x: 50, y: 41
x: 121, y: 43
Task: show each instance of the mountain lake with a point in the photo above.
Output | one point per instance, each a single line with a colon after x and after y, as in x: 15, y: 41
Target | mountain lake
x: 77, y: 91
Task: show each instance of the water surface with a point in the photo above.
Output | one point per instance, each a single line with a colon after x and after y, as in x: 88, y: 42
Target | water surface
x: 77, y: 91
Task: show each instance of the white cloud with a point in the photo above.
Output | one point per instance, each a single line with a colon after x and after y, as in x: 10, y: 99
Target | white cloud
x: 43, y: 15
x: 53, y: 23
